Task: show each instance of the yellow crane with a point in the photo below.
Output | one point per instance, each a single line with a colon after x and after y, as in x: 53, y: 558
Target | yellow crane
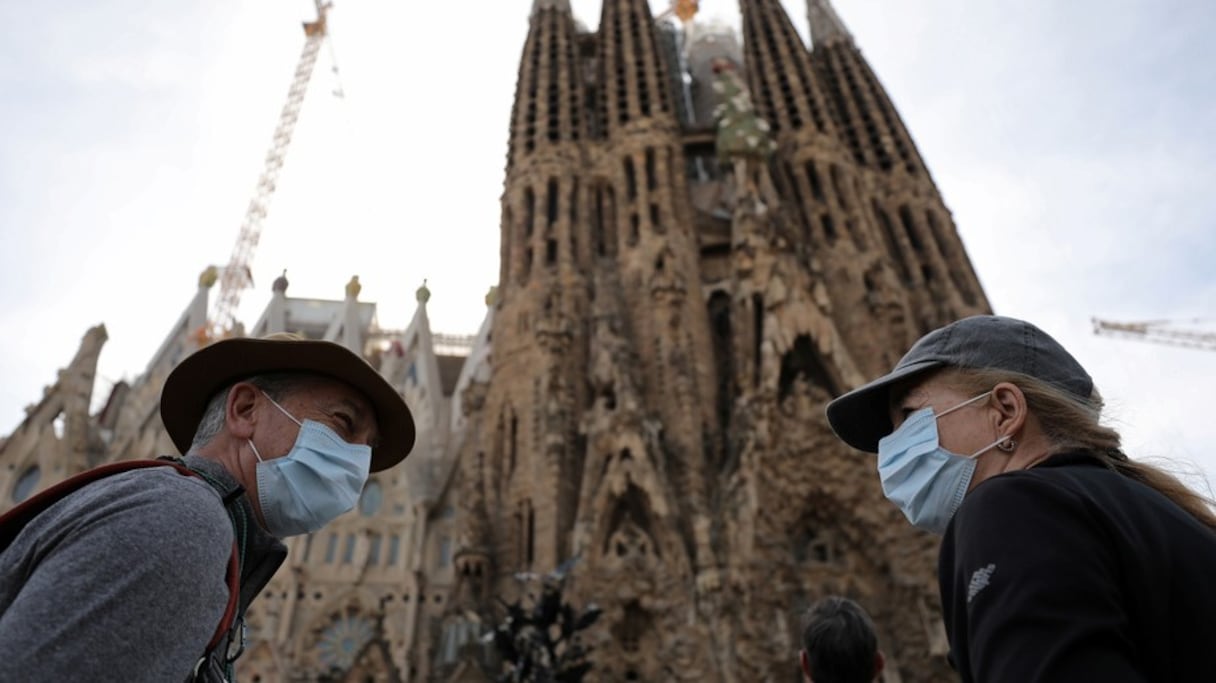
x: 236, y: 276
x: 1172, y: 332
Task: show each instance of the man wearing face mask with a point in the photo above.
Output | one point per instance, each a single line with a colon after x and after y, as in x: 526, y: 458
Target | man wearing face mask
x: 1062, y: 559
x: 128, y: 577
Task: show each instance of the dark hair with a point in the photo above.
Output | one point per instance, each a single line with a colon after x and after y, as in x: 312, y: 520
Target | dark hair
x: 839, y: 641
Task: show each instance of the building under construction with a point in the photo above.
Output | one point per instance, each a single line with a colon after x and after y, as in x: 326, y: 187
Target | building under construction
x: 704, y: 237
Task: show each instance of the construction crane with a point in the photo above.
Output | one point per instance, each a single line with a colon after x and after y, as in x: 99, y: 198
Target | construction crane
x: 236, y: 276
x: 1160, y: 331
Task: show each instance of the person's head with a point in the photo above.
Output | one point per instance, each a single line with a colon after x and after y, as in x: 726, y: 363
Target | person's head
x: 299, y: 424
x: 978, y: 397
x: 838, y: 643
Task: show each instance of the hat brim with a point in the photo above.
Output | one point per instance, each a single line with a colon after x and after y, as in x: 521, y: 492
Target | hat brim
x: 196, y: 379
x: 863, y: 416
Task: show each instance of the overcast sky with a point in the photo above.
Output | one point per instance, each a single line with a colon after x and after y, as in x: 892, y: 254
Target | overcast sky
x: 1075, y: 142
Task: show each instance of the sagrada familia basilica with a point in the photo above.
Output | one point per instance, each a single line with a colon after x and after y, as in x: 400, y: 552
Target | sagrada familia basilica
x: 704, y: 237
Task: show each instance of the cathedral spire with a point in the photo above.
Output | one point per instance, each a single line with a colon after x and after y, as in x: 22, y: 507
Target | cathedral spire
x: 632, y: 75
x: 548, y: 93
x: 782, y: 81
x: 860, y: 106
x: 559, y: 5
x: 826, y: 26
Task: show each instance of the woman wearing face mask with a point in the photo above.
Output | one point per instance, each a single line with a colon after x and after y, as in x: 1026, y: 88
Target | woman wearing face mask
x: 1062, y: 559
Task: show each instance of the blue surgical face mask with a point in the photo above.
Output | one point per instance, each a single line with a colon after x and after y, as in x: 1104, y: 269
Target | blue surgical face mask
x: 926, y: 481
x: 319, y: 478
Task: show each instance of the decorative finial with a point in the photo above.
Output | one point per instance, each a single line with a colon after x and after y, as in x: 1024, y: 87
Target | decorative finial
x: 353, y: 287
x: 423, y: 294
x: 280, y: 283
x: 685, y: 10
x: 209, y: 277
x: 492, y: 296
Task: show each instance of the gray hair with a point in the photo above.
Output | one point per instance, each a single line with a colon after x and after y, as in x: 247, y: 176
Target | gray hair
x: 276, y: 385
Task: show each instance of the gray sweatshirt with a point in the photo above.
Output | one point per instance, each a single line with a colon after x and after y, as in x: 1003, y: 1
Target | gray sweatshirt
x: 124, y: 580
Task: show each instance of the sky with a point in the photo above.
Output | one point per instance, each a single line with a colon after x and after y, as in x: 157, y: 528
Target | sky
x: 1074, y: 141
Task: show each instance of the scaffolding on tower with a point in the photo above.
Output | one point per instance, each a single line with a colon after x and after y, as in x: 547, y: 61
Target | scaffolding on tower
x: 237, y: 275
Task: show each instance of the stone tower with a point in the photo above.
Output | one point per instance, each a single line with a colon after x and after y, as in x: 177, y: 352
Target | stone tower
x: 687, y: 277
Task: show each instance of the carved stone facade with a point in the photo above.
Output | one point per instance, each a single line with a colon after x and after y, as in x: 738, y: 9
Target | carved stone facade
x: 702, y: 241
x: 680, y: 295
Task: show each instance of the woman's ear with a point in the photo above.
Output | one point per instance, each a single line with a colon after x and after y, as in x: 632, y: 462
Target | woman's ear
x: 1011, y: 410
x: 240, y: 414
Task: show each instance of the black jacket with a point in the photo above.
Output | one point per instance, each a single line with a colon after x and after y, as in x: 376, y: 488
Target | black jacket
x: 1070, y: 571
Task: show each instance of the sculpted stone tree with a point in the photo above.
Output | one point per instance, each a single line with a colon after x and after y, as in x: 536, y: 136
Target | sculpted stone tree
x: 743, y: 138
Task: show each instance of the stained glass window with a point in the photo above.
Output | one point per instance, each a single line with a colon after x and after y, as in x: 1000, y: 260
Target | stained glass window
x: 26, y: 483
x: 394, y: 548
x: 445, y: 552
x: 373, y: 553
x: 342, y: 641
x: 331, y: 548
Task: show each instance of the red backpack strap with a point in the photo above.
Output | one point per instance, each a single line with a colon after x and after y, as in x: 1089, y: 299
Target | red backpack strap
x: 13, y: 521
x: 234, y: 595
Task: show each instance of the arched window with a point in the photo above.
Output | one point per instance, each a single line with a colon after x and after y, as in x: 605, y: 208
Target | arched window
x: 26, y: 483
x: 370, y: 501
x: 803, y: 361
x: 631, y: 181
x: 529, y: 211
x: 551, y: 202
x: 723, y: 334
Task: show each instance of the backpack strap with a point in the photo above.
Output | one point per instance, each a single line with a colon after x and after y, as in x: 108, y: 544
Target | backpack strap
x: 234, y: 595
x: 13, y: 521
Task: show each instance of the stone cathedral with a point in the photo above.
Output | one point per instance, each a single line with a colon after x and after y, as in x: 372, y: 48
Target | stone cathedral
x: 704, y: 237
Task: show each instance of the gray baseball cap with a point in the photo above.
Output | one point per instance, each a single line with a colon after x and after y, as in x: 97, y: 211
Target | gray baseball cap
x: 861, y: 417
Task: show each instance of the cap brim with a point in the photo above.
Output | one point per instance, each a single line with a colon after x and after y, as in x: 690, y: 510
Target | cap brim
x: 862, y: 416
x: 196, y: 379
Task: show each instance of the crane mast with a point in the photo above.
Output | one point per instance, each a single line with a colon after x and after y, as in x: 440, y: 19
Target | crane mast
x: 1159, y: 331
x: 236, y: 276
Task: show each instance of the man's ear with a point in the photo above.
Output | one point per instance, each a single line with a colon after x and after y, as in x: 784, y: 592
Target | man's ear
x: 879, y: 663
x: 1011, y: 408
x: 805, y: 661
x: 240, y: 412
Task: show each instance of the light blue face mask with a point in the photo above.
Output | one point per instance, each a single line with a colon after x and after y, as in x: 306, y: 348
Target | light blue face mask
x: 926, y: 481
x: 319, y: 478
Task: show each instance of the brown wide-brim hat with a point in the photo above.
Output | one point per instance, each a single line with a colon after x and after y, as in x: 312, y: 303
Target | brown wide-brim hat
x: 213, y: 368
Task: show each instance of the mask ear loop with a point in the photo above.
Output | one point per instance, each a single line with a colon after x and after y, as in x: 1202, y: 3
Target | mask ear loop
x: 282, y: 410
x: 964, y: 404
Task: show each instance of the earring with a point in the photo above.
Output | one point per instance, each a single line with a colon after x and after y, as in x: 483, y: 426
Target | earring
x: 1008, y: 446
